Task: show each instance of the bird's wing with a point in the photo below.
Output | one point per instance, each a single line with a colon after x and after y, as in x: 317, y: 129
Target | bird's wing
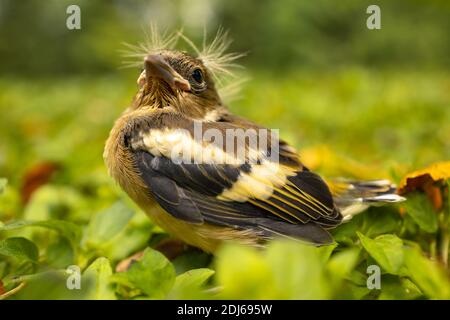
x: 274, y: 197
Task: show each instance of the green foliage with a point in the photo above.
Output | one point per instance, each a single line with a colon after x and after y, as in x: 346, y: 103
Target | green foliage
x: 286, y: 270
x: 99, y: 273
x: 153, y: 275
x: 430, y: 277
x: 19, y: 248
x: 421, y: 211
x: 105, y: 225
x: 81, y: 218
x: 67, y: 229
x: 279, y: 37
x: 190, y: 284
x: 386, y: 250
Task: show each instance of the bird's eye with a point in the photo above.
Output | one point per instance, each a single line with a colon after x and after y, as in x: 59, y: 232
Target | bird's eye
x: 197, y: 75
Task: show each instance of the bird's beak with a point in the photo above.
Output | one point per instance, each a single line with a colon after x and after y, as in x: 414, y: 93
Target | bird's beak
x: 156, y: 67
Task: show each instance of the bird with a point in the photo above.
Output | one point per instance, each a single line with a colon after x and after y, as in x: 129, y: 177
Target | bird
x: 208, y: 176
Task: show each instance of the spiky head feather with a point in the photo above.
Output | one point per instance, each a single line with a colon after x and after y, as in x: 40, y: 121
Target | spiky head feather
x: 214, y: 55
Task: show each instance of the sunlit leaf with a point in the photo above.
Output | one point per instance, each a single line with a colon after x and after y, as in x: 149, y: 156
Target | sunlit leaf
x: 99, y: 275
x: 298, y: 270
x: 153, y: 274
x: 54, y: 202
x: 244, y: 272
x: 107, y: 224
x: 190, y: 284
x: 387, y: 250
x: 67, y: 229
x: 427, y: 274
x: 286, y: 270
x: 342, y: 263
x: 52, y: 285
x: 326, y: 251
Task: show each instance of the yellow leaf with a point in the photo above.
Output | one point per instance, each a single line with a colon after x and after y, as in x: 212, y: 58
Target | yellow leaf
x: 418, y: 179
x: 425, y: 180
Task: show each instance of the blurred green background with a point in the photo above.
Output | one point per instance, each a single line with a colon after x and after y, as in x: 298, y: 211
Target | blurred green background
x: 316, y: 72
x: 356, y: 102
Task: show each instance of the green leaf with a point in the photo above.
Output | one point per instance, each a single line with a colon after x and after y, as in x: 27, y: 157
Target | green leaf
x: 60, y: 254
x: 395, y: 288
x: 244, y: 273
x: 283, y: 271
x: 189, y: 285
x: 387, y: 250
x: 420, y: 209
x: 427, y: 274
x: 193, y: 278
x: 19, y: 248
x: 342, y: 263
x: 296, y: 266
x: 191, y: 259
x: 50, y: 285
x: 131, y: 239
x: 381, y: 220
x: 55, y: 202
x: 346, y: 233
x: 153, y: 274
x: 106, y: 224
x: 326, y: 251
x: 67, y: 229
x: 98, y: 274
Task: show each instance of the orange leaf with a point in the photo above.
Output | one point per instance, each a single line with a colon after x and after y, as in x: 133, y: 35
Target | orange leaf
x: 35, y: 177
x: 418, y: 179
x: 425, y: 180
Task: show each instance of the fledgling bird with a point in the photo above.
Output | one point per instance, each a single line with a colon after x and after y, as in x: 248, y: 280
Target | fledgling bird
x: 204, y: 192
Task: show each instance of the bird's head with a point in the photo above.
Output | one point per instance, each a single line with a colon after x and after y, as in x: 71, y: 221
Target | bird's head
x: 179, y: 80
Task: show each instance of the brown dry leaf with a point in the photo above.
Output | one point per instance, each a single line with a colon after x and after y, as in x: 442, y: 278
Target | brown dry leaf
x: 124, y: 265
x: 417, y: 179
x: 35, y: 177
x: 425, y: 180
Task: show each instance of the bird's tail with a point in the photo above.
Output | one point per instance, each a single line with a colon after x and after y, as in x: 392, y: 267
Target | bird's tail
x: 352, y: 197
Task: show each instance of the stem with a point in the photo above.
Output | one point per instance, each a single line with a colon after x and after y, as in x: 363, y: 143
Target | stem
x: 433, y: 250
x: 445, y: 241
x: 12, y: 291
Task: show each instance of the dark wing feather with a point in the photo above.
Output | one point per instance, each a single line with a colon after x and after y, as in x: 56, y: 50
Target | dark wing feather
x: 185, y: 198
x: 168, y: 194
x: 302, y: 208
